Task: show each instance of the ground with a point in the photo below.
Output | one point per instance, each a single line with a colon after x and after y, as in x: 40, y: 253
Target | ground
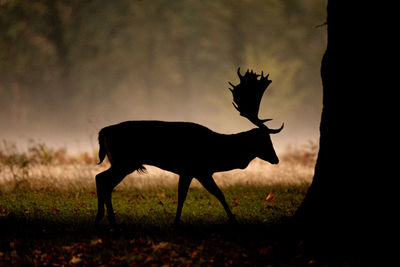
x: 54, y: 227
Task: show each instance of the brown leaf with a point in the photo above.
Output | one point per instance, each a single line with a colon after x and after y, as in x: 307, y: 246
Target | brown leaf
x: 53, y: 209
x: 75, y: 260
x: 14, y: 254
x: 161, y: 245
x: 95, y: 242
x: 148, y: 259
x: 194, y: 254
x: 270, y: 197
x: 37, y: 252
x: 65, y: 247
x: 236, y: 201
x: 161, y: 195
x: 312, y: 261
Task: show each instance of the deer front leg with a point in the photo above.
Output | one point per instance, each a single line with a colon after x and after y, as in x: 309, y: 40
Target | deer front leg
x: 183, y: 187
x: 209, y: 184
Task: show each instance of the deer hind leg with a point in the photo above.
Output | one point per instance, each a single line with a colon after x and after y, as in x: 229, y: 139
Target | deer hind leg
x: 209, y: 184
x: 101, y: 180
x: 183, y: 187
x: 105, y: 183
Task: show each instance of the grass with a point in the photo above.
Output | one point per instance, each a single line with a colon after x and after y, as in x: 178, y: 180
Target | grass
x: 154, y: 207
x: 48, y: 204
x: 40, y: 167
x: 50, y: 227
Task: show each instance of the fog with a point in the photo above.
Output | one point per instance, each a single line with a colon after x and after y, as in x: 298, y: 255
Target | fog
x: 69, y: 68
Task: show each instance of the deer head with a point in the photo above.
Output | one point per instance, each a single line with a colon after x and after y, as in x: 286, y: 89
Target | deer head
x: 247, y: 97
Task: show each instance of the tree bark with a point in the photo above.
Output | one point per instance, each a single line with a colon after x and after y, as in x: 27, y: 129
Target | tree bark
x: 337, y: 213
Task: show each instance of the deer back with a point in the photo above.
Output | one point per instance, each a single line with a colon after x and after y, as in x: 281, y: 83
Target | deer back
x: 174, y: 146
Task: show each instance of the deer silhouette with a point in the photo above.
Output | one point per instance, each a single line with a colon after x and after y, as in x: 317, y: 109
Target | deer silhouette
x: 187, y: 149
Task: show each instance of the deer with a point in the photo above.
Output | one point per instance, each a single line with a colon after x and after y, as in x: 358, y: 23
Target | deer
x: 187, y: 149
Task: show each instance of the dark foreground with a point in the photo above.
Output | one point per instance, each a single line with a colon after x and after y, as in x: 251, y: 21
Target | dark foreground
x: 55, y: 228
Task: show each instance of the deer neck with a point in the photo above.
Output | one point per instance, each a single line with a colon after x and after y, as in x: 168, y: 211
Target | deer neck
x: 241, y: 145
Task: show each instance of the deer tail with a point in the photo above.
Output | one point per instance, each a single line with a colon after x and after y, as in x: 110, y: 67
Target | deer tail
x: 102, y: 150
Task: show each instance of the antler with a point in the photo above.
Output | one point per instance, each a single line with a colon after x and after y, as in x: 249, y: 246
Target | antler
x: 247, y: 97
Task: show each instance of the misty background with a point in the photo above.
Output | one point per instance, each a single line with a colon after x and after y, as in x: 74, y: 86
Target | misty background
x: 69, y: 68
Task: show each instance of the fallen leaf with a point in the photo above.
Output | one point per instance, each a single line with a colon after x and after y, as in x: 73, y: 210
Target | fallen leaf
x: 194, y: 254
x: 37, y: 252
x: 161, y: 245
x: 14, y: 254
x: 75, y: 260
x: 148, y: 259
x: 43, y: 257
x: 161, y: 195
x: 270, y: 197
x: 96, y: 242
x: 236, y: 201
x: 312, y: 261
x: 53, y: 209
x: 65, y: 247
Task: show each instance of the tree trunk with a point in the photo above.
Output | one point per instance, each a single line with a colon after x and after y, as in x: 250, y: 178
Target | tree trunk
x: 337, y: 213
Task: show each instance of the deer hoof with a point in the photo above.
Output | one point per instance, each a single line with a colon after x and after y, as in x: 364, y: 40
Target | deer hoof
x: 233, y: 221
x: 177, y: 224
x: 117, y: 228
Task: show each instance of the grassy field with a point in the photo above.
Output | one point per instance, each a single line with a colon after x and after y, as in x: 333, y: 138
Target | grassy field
x: 40, y: 167
x: 50, y: 227
x: 48, y: 204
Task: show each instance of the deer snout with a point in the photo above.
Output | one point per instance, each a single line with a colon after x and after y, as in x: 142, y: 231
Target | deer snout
x: 270, y: 157
x: 274, y: 160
